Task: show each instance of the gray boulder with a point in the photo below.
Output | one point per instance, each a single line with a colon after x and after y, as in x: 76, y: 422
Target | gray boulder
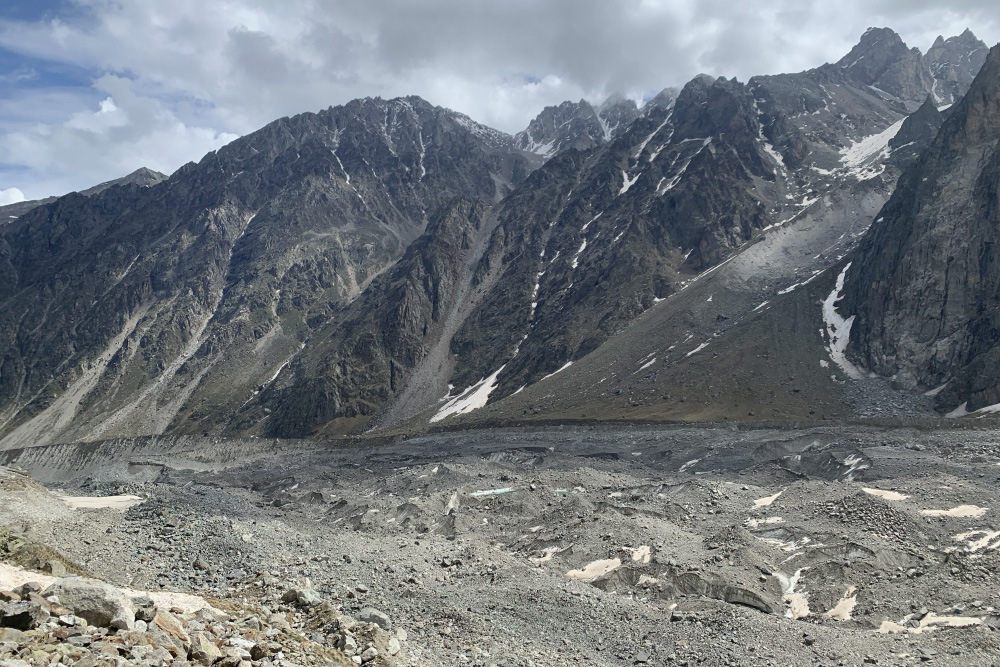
x: 370, y: 615
x: 97, y: 602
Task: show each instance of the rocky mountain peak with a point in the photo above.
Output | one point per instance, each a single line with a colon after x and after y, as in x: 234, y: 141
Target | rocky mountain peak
x: 883, y: 61
x: 616, y: 113
x: 577, y: 125
x: 954, y: 62
x: 977, y: 115
x: 877, y: 49
x: 142, y: 176
x: 664, y: 99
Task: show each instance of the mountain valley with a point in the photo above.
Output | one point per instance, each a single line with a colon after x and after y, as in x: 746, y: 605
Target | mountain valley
x: 709, y: 379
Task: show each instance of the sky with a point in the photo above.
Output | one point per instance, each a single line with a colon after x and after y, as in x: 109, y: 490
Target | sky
x: 91, y: 90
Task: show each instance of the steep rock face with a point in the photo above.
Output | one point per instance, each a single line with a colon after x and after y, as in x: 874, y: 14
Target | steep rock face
x: 360, y: 358
x: 925, y: 281
x: 916, y: 134
x: 576, y: 125
x: 591, y: 240
x: 141, y: 310
x: 954, y: 62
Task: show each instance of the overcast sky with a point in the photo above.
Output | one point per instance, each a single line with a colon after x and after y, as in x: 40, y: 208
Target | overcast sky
x: 93, y: 89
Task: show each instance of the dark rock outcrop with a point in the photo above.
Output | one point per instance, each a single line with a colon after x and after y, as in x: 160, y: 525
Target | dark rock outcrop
x: 925, y: 281
x: 916, y: 134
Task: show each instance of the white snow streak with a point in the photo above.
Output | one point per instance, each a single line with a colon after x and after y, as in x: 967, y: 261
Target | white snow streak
x: 628, y: 182
x: 471, y: 399
x: 576, y: 258
x: 565, y: 366
x: 698, y: 349
x: 838, y: 329
x: 646, y: 141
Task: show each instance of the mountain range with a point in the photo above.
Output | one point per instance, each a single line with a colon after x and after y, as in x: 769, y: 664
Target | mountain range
x: 728, y: 250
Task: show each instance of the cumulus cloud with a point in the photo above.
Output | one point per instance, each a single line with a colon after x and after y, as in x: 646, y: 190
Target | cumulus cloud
x: 10, y: 196
x: 173, y: 80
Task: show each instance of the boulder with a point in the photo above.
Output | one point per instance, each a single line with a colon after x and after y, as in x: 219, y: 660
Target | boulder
x: 203, y: 649
x: 23, y: 615
x: 97, y: 602
x: 371, y: 615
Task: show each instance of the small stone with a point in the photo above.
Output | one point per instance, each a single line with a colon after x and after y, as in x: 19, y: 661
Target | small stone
x: 26, y: 589
x: 394, y: 646
x: 369, y: 654
x: 145, y: 608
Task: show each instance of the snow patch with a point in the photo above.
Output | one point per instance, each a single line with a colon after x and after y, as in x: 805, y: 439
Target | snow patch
x: 576, y: 257
x: 857, y: 157
x: 838, y: 329
x: 936, y: 390
x: 698, y: 349
x: 471, y: 399
x: 628, y: 182
x: 766, y: 502
x: 647, y: 365
x: 985, y: 538
x: 962, y: 511
x: 886, y: 495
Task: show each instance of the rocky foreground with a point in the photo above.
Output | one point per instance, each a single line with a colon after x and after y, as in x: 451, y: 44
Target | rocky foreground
x: 558, y: 546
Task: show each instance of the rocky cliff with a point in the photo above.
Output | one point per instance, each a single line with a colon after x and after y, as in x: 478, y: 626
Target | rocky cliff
x: 923, y: 286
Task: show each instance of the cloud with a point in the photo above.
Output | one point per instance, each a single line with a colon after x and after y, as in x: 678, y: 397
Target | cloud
x: 124, y: 132
x: 180, y: 78
x: 10, y: 196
